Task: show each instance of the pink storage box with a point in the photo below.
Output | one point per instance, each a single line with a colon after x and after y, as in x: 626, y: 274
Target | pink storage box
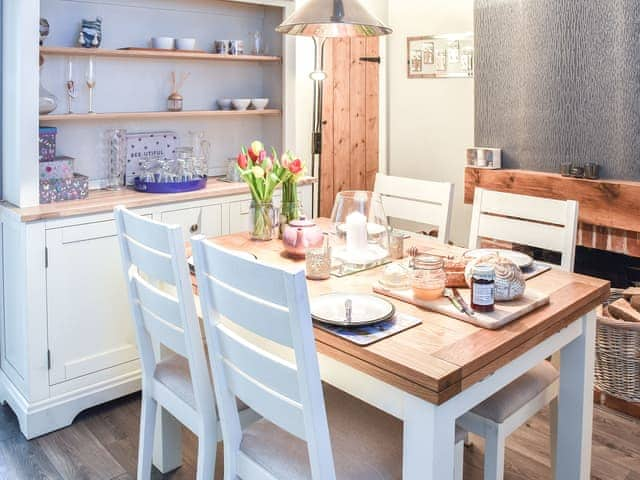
x: 58, y: 190
x: 60, y: 168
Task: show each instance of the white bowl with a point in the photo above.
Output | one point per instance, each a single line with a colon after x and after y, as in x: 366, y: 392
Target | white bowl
x: 240, y: 103
x: 259, y: 103
x: 163, y: 43
x: 224, y: 103
x: 185, y: 43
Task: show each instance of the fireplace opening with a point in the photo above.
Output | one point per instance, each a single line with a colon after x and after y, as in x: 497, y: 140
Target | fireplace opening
x: 621, y: 270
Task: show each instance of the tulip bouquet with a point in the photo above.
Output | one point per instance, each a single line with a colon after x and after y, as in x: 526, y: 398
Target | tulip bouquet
x: 263, y: 173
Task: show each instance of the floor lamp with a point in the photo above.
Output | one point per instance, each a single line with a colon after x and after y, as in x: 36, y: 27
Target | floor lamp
x: 322, y: 19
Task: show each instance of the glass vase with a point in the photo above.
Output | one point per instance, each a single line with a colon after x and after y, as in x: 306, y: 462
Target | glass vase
x: 263, y: 221
x: 116, y: 158
x: 291, y: 208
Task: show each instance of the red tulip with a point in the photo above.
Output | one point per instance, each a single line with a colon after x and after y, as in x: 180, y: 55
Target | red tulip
x: 296, y: 167
x: 243, y: 163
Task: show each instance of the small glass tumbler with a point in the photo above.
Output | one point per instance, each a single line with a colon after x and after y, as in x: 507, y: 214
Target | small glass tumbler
x: 396, y: 245
x: 566, y: 169
x: 319, y: 261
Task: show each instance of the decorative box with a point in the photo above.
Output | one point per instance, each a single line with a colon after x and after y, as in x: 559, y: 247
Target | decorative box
x: 48, y: 143
x: 62, y: 189
x: 148, y: 146
x: 484, y: 157
x: 61, y: 167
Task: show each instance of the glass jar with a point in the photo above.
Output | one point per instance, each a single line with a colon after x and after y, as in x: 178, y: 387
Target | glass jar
x: 175, y: 102
x: 264, y: 219
x: 428, y: 279
x: 483, y: 283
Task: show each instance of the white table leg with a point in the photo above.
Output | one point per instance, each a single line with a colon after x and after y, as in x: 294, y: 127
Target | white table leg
x: 575, y: 405
x: 167, y: 440
x: 428, y: 441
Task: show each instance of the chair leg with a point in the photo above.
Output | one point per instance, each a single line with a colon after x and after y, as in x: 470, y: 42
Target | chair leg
x: 494, y: 454
x: 147, y: 427
x: 459, y: 461
x: 207, y: 449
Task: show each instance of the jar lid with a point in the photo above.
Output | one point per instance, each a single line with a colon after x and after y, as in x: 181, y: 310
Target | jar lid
x: 428, y: 262
x: 484, y: 271
x: 302, y: 222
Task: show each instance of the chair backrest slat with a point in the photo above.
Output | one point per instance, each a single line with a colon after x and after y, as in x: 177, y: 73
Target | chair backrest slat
x: 266, y: 319
x: 278, y: 409
x: 419, y: 201
x: 286, y: 392
x: 154, y: 263
x: 166, y: 333
x: 156, y: 301
x: 538, y: 222
x: 279, y: 374
x: 247, y: 277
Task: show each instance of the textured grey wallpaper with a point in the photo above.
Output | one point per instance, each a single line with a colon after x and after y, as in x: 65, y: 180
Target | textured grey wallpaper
x: 559, y: 80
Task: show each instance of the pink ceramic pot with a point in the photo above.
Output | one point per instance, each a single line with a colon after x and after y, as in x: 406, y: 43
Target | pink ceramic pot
x: 299, y: 235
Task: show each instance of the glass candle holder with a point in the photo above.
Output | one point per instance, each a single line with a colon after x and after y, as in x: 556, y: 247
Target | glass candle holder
x: 318, y: 261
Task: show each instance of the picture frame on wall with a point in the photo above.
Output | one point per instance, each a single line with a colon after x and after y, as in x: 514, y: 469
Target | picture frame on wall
x: 440, y: 56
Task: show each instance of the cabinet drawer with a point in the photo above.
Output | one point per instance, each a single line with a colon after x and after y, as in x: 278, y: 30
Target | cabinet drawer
x: 239, y: 216
x: 202, y: 220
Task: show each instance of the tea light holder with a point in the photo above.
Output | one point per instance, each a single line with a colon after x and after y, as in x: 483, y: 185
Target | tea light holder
x: 360, y: 230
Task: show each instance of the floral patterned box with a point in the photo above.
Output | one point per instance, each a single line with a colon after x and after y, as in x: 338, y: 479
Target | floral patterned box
x: 47, y: 143
x: 62, y: 189
x: 61, y: 167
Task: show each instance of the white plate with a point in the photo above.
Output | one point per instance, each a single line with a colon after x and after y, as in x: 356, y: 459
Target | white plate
x: 522, y: 260
x: 365, y: 309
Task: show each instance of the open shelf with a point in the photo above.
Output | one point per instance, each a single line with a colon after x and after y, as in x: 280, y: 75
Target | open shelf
x: 160, y: 115
x: 160, y: 54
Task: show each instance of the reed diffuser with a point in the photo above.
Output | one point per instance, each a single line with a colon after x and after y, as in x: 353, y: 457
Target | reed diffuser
x: 175, y: 101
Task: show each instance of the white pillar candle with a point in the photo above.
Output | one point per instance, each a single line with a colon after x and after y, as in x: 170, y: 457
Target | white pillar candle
x: 356, y: 231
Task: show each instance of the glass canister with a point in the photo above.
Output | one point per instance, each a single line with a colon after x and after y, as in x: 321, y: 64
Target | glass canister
x: 428, y: 278
x: 116, y: 158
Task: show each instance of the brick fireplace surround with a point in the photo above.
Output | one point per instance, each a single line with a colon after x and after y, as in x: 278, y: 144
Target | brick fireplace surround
x: 609, y: 209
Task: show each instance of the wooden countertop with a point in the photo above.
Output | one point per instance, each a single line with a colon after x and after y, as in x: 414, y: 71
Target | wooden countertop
x: 443, y: 356
x: 100, y: 201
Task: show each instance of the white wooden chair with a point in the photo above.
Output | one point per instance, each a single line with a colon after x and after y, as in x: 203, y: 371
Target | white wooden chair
x: 418, y: 201
x: 154, y: 262
x: 539, y: 222
x: 308, y: 430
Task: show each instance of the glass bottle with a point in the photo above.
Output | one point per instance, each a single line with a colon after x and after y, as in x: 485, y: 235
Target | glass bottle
x: 428, y: 279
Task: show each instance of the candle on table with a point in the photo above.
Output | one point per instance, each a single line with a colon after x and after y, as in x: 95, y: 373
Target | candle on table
x: 356, y: 230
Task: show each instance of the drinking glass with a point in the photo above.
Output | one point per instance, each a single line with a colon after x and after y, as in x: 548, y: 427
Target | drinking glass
x: 318, y: 261
x: 90, y: 78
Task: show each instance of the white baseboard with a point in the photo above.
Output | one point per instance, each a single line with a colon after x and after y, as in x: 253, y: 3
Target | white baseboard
x: 40, y: 418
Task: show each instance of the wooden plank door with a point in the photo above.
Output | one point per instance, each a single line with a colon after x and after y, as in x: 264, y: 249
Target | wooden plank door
x: 350, y: 118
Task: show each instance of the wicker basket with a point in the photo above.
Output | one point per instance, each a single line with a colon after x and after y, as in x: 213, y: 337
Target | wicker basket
x: 618, y: 358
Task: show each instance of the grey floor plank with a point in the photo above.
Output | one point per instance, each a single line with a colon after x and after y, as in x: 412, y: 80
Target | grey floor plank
x: 102, y: 443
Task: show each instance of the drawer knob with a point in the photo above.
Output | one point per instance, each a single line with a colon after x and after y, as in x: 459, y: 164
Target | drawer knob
x: 194, y: 228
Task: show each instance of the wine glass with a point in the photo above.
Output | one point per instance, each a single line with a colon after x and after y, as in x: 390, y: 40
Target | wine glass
x: 90, y: 78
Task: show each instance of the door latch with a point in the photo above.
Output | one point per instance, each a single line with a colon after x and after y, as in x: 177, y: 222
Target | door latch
x: 371, y: 59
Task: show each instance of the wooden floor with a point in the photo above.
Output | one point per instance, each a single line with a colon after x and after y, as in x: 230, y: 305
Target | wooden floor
x: 103, y: 443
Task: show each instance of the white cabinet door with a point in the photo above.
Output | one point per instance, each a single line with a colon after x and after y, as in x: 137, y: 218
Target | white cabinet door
x: 201, y: 220
x: 89, y: 324
x: 239, y: 216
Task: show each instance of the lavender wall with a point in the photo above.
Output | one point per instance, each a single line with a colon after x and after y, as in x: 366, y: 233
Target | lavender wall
x: 559, y: 80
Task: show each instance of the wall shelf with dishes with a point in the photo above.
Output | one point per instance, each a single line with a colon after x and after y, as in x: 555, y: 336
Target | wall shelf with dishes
x: 131, y: 79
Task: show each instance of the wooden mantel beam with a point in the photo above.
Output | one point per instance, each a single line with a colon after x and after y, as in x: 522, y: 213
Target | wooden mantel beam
x: 608, y: 203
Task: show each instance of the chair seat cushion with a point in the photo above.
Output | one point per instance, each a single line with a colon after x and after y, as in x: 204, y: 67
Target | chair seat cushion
x: 511, y: 398
x: 366, y: 442
x: 173, y: 372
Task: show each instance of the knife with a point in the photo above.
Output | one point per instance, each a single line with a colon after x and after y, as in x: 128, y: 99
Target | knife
x: 464, y: 307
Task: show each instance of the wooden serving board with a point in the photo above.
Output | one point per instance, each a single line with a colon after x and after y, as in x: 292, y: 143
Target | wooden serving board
x: 504, y: 312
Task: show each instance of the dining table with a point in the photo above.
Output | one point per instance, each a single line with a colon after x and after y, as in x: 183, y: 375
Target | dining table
x: 431, y: 374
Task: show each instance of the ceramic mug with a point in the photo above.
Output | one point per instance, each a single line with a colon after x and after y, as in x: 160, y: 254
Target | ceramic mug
x: 236, y: 47
x: 221, y: 47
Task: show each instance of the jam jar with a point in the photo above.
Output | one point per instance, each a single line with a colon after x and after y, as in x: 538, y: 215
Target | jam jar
x: 428, y: 278
x: 483, y: 283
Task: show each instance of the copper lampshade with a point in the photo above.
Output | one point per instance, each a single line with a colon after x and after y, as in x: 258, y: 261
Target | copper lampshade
x: 333, y: 18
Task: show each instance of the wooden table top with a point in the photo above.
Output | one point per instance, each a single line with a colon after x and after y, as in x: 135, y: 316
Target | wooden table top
x: 443, y: 356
